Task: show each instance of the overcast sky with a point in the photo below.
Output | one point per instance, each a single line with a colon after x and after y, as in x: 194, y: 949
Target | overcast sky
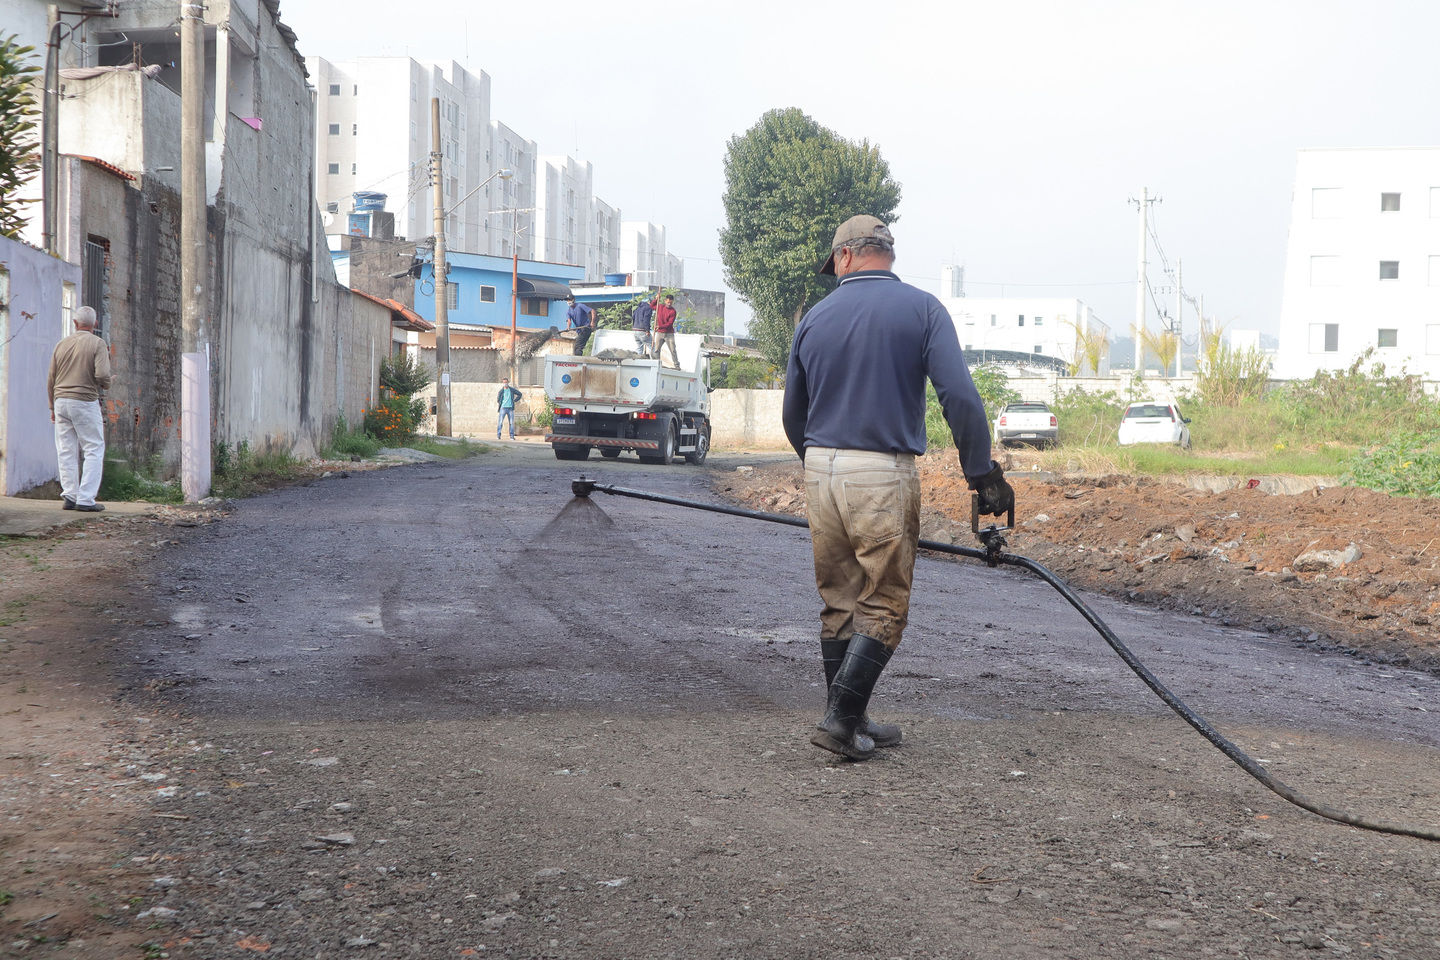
x: 1017, y: 130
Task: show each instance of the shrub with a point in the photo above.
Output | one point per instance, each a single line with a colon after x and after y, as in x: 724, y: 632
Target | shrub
x: 346, y: 441
x: 1087, y: 419
x: 404, y: 375
x: 743, y: 373
x: 1407, y: 465
x: 392, y: 421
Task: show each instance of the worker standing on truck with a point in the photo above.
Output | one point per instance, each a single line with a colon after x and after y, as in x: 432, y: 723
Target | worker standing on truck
x: 665, y: 328
x: 582, y: 317
x: 640, y: 319
x: 854, y: 411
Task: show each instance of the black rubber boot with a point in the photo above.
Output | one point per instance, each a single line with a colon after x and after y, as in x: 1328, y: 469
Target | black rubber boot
x: 832, y: 653
x: 839, y: 732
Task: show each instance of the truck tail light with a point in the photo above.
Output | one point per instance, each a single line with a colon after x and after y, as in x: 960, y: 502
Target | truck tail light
x: 644, y: 416
x: 1053, y: 421
x: 564, y: 412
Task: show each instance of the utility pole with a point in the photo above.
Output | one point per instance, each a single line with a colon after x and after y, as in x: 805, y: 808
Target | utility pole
x: 442, y: 290
x: 514, y: 294
x: 194, y: 259
x: 1179, y: 314
x: 1144, y: 204
x: 50, y: 135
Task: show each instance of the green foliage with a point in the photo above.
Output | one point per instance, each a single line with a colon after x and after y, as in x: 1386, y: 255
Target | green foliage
x: 347, y: 441
x: 238, y: 472
x: 994, y: 388
x: 19, y: 115
x: 1086, y: 419
x: 789, y: 182
x: 545, y: 419
x: 1357, y: 405
x: 393, y: 420
x: 743, y: 372
x: 120, y: 481
x: 1407, y: 464
x: 1228, y: 377
x: 6, y: 897
x: 458, y: 449
x: 404, y: 375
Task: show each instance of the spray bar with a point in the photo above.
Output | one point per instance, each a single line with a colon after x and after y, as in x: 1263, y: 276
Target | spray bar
x: 994, y: 555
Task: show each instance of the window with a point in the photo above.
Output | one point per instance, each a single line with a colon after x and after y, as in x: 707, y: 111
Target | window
x: 334, y: 89
x: 352, y: 169
x: 1039, y: 321
x: 413, y: 130
x: 969, y: 346
x: 333, y: 207
x: 1022, y: 320
x: 1432, y: 338
x: 487, y: 294
x: 334, y: 130
x: 1389, y: 269
x: 1324, y: 337
x: 67, y: 307
x: 355, y: 90
x: 1038, y: 347
x: 354, y: 129
x: 535, y: 306
x: 452, y: 294
x: 414, y: 91
x: 333, y: 169
x: 992, y: 319
x: 1389, y: 203
x: 1325, y: 203
x: 1324, y: 271
x: 1387, y: 338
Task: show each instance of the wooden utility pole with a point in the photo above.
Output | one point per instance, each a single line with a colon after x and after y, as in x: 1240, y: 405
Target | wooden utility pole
x: 442, y: 289
x: 514, y: 297
x: 194, y: 259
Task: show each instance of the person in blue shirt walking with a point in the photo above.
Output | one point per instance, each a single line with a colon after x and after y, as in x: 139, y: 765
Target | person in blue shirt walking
x: 582, y: 317
x: 854, y: 410
x: 506, y: 400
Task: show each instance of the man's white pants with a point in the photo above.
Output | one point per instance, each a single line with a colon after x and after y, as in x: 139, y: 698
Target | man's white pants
x: 79, y: 426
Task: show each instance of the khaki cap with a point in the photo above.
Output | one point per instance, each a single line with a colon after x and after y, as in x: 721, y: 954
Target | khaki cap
x: 861, y: 227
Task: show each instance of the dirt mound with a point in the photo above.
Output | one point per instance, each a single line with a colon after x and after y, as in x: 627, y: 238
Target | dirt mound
x: 1366, y: 578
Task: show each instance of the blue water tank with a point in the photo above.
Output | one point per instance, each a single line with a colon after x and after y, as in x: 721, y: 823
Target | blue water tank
x: 367, y: 200
x: 616, y: 279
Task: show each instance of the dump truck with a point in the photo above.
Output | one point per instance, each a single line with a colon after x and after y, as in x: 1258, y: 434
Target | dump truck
x: 619, y: 399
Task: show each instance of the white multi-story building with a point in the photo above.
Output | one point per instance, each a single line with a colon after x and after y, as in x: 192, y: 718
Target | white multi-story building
x: 571, y: 224
x: 643, y: 255
x: 1042, y: 326
x: 603, y: 254
x: 1362, y: 268
x: 513, y: 213
x: 373, y: 133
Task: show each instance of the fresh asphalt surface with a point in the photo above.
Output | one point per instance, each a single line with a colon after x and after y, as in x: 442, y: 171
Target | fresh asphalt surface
x: 435, y: 591
x: 445, y: 710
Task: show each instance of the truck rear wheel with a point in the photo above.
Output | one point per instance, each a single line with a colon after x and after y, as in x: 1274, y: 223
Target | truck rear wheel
x: 664, y: 455
x: 702, y: 445
x: 571, y: 453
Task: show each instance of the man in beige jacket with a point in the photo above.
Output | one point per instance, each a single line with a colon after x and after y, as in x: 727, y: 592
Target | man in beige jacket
x: 79, y: 370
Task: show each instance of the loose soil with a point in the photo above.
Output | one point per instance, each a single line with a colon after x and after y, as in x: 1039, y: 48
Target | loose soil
x: 1229, y: 555
x: 443, y: 711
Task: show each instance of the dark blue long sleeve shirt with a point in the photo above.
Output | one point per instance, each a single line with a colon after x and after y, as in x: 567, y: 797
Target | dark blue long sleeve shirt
x: 857, y: 372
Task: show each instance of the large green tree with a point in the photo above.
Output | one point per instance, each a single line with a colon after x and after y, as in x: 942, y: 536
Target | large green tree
x: 19, y: 160
x: 789, y: 182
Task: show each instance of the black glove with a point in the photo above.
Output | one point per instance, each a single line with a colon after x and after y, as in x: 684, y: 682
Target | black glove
x: 996, y: 495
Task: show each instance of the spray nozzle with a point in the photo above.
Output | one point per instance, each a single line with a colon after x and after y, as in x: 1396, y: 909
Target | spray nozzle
x: 582, y: 487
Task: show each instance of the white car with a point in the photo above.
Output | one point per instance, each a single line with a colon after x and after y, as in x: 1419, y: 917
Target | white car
x: 1154, y: 423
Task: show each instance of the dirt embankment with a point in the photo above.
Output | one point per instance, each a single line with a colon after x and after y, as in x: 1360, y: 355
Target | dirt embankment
x: 1238, y: 556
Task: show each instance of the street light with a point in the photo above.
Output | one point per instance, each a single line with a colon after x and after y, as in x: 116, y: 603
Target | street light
x: 441, y: 268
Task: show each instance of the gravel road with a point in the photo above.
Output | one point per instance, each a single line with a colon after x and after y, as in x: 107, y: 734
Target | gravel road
x: 440, y: 714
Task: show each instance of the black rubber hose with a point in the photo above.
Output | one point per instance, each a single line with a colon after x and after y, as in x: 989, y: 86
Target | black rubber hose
x: 582, y: 487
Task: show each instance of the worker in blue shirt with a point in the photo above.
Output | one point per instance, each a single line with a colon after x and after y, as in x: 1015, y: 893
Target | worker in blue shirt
x: 640, y: 319
x: 854, y: 411
x: 581, y: 317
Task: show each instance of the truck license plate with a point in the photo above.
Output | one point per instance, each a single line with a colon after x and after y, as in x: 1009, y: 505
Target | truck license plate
x: 1025, y: 435
x: 570, y: 420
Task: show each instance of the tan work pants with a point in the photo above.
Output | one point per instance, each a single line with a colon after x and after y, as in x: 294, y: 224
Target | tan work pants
x: 864, y: 512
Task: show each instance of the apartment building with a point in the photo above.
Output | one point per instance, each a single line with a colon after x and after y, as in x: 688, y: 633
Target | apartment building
x: 1042, y: 327
x: 644, y: 257
x: 1362, y: 268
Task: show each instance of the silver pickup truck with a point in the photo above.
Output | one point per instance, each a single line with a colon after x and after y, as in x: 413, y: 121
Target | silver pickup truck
x: 1027, y: 422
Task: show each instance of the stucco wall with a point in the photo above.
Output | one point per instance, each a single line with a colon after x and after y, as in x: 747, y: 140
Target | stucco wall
x: 31, y: 288
x: 747, y: 420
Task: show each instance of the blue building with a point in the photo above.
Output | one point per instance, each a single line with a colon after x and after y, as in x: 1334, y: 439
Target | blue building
x: 480, y: 291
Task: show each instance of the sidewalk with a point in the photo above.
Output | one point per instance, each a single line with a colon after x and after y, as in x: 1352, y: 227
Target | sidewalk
x: 20, y: 517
